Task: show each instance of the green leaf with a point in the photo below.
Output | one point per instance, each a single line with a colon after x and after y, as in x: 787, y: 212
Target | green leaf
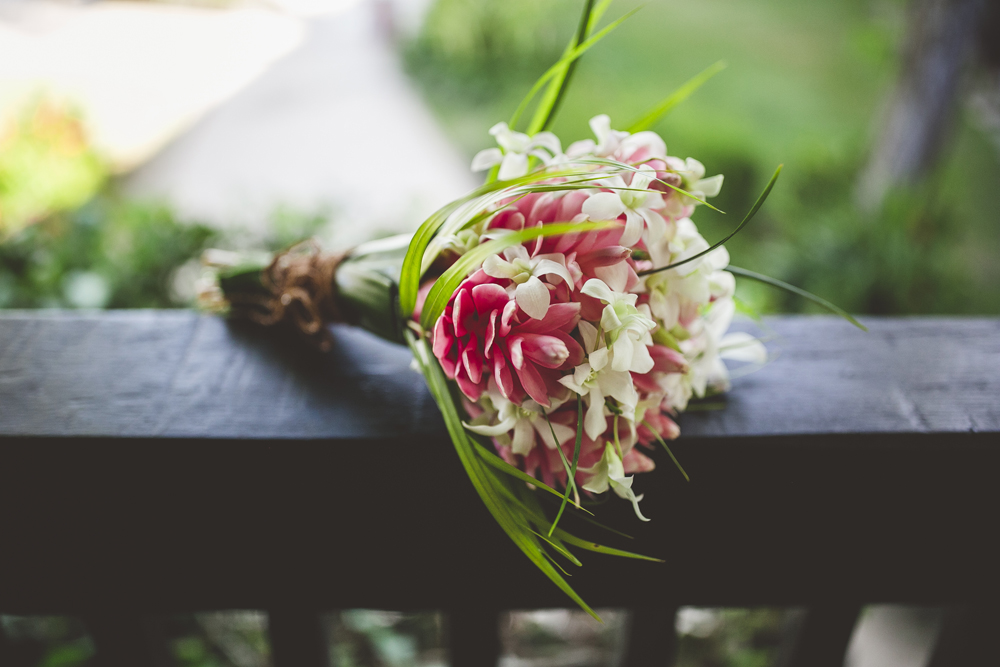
x: 571, y: 473
x: 600, y: 548
x: 774, y: 282
x: 449, y: 281
x: 556, y: 69
x: 486, y: 485
x: 666, y: 447
x: 563, y: 551
x: 749, y: 216
x: 557, y: 87
x: 501, y: 465
x: 413, y: 262
x: 676, y: 97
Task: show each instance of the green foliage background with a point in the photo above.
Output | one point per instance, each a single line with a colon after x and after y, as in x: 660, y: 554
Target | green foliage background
x: 805, y: 86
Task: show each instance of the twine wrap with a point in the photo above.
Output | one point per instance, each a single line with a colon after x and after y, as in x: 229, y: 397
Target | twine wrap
x: 302, y: 293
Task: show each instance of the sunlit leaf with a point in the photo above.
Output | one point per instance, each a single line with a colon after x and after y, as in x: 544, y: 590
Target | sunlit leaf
x: 676, y: 97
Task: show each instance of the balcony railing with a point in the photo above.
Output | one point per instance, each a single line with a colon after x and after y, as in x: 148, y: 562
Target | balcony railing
x: 855, y: 468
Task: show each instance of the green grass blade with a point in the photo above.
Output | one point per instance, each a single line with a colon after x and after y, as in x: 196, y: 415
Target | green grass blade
x: 676, y: 97
x: 600, y: 548
x: 546, y: 108
x: 571, y: 473
x: 569, y: 57
x: 449, y: 281
x: 749, y: 216
x: 780, y: 284
x: 560, y: 549
x: 557, y: 87
x: 413, y: 262
x: 504, y: 467
x: 666, y: 447
x: 485, y: 485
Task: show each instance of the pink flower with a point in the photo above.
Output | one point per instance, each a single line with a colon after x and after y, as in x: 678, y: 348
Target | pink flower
x: 662, y: 424
x: 482, y: 333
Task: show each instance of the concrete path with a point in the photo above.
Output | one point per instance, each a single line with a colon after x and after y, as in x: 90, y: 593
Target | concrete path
x: 335, y: 123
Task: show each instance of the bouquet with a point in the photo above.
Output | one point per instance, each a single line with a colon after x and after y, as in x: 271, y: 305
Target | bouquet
x: 563, y: 314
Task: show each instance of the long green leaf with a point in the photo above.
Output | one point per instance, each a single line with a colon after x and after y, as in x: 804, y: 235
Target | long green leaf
x: 780, y: 284
x: 557, y: 68
x: 571, y: 472
x: 600, y: 548
x: 449, y: 281
x: 413, y: 264
x: 485, y: 485
x: 557, y: 87
x: 537, y: 517
x: 676, y: 97
x: 749, y: 216
x: 504, y: 467
x: 666, y: 447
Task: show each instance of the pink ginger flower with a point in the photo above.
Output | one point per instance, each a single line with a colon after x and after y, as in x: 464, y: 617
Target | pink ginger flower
x: 662, y: 424
x: 482, y: 333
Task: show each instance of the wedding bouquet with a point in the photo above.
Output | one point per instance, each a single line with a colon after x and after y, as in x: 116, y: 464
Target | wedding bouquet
x: 562, y: 314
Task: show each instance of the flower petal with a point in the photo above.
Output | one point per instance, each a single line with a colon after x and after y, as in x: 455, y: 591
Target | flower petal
x: 492, y: 431
x: 633, y: 228
x: 485, y: 159
x: 533, y: 298
x: 594, y: 423
x: 604, y: 206
x: 513, y: 166
x: 710, y: 187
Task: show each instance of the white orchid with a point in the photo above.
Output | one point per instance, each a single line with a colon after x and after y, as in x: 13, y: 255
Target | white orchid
x: 611, y: 143
x: 697, y: 282
x: 692, y: 173
x: 516, y: 425
x: 707, y: 367
x: 515, y: 149
x: 600, y: 382
x: 626, y: 328
x: 610, y: 471
x: 608, y: 140
x: 530, y: 293
x: 636, y: 201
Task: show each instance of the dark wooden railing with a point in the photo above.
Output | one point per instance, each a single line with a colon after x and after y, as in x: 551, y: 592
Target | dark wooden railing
x: 856, y: 468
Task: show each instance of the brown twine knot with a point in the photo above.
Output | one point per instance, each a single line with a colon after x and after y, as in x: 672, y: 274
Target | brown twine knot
x: 302, y: 292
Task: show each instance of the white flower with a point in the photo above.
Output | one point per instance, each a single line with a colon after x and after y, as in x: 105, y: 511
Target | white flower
x: 515, y: 148
x: 609, y: 471
x: 626, y: 328
x: 637, y: 203
x: 615, y: 143
x: 693, y: 180
x: 599, y: 383
x: 608, y: 140
x: 696, y: 282
x: 516, y: 425
x: 530, y: 293
x: 707, y: 368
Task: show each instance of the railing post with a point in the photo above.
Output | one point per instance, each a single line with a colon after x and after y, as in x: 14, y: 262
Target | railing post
x: 967, y: 637
x: 298, y: 639
x: 819, y: 636
x: 652, y: 637
x: 128, y: 641
x: 474, y: 637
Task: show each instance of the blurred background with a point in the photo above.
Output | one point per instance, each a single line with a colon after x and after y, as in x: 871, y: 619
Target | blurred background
x: 134, y: 135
